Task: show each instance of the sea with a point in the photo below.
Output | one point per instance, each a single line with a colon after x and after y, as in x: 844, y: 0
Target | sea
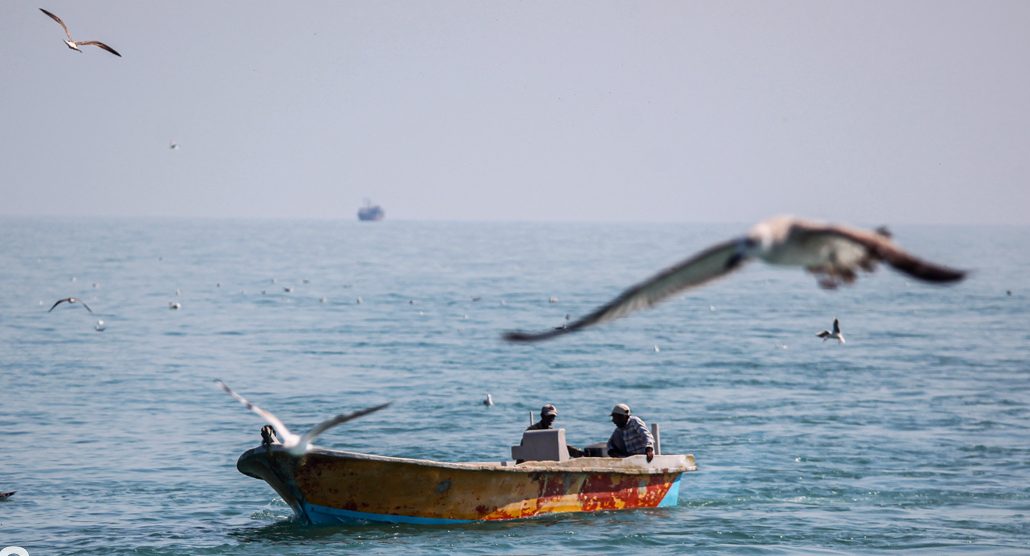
x: 914, y: 436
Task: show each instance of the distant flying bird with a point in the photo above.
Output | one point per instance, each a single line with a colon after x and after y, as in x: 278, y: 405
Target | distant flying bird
x: 834, y: 253
x: 70, y: 300
x: 836, y: 334
x: 6, y: 495
x: 173, y: 146
x: 297, y: 445
x: 174, y: 305
x: 74, y: 45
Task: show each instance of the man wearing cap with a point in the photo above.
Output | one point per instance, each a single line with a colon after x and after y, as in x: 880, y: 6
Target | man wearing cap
x: 631, y: 436
x: 547, y: 415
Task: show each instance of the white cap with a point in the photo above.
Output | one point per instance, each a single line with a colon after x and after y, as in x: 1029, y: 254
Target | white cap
x: 620, y: 409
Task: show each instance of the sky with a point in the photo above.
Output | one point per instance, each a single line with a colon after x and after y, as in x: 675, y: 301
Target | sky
x: 908, y: 112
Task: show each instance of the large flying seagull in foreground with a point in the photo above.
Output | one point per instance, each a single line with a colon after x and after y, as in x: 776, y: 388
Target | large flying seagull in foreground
x: 74, y: 45
x: 832, y: 252
x: 297, y: 445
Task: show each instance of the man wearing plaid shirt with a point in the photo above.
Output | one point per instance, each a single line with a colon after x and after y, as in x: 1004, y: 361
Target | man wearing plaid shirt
x: 631, y: 436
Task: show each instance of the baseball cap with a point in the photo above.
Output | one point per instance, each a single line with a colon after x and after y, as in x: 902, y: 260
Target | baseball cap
x: 548, y: 409
x: 620, y: 409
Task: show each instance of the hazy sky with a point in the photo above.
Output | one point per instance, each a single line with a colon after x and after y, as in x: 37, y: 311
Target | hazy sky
x: 866, y: 112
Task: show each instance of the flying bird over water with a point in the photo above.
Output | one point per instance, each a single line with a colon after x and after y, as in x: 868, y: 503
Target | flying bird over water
x: 6, y: 495
x: 297, y: 445
x: 836, y: 334
x: 74, y: 45
x: 70, y: 300
x: 832, y: 252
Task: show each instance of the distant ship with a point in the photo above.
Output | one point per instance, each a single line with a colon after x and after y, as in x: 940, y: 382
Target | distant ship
x: 370, y: 212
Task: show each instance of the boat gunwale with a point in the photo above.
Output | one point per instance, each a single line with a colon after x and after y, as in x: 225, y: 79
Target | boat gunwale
x: 633, y: 465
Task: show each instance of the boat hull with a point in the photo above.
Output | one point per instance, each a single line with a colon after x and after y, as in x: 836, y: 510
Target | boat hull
x: 371, y: 214
x: 325, y: 486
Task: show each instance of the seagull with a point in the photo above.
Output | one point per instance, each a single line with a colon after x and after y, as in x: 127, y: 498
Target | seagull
x: 74, y: 45
x: 297, y: 445
x: 174, y: 305
x: 833, y: 252
x: 173, y: 146
x: 826, y: 334
x: 100, y: 326
x: 71, y: 300
x: 489, y: 400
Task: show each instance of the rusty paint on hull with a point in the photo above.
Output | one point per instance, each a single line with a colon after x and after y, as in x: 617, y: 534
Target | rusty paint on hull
x: 325, y: 485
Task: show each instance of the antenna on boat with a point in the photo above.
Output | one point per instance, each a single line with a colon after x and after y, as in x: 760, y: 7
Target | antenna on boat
x: 530, y: 417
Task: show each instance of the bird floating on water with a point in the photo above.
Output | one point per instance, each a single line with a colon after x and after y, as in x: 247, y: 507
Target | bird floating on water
x: 297, y: 445
x: 70, y: 300
x: 174, y: 305
x: 73, y: 44
x: 100, y: 326
x: 489, y: 400
x: 836, y: 334
x: 834, y: 253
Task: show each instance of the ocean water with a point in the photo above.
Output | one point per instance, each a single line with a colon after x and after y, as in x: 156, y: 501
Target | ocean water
x: 913, y: 436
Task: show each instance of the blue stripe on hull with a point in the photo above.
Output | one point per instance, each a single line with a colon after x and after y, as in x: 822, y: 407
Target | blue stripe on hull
x: 323, y: 515
x: 672, y: 497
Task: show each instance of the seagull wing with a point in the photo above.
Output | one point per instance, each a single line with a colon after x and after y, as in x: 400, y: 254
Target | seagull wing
x: 718, y: 260
x: 57, y: 19
x: 836, y: 326
x: 86, y: 306
x: 101, y: 45
x: 59, y: 301
x: 278, y: 425
x: 823, y: 334
x: 338, y: 420
x: 879, y: 247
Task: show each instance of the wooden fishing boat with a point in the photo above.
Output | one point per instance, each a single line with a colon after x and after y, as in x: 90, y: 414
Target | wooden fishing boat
x: 330, y: 486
